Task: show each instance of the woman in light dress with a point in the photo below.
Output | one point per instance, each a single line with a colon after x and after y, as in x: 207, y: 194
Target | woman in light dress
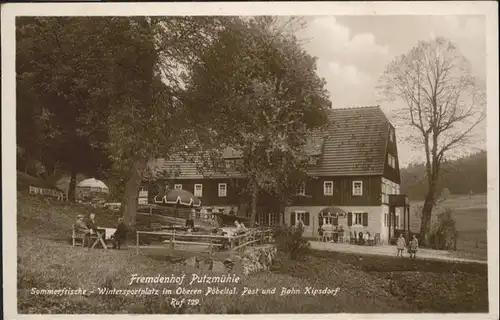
x: 401, y: 244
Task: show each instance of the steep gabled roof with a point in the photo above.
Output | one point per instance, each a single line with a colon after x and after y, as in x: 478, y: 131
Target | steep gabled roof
x: 353, y: 143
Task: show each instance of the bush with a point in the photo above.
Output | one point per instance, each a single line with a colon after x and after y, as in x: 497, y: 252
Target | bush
x: 444, y: 235
x: 289, y: 241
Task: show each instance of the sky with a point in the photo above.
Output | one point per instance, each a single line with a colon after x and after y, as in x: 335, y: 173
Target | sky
x: 353, y: 51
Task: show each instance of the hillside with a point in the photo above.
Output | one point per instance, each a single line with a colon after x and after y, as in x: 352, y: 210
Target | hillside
x: 46, y: 260
x: 459, y: 177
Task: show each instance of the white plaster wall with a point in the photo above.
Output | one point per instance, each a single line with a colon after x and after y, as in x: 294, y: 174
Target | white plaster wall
x: 375, y: 219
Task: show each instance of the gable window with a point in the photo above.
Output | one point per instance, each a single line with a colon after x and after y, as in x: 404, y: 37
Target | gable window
x: 391, y: 160
x: 222, y: 189
x: 328, y: 188
x: 198, y: 190
x: 357, y: 188
x: 302, y: 189
x: 177, y: 186
x: 391, y: 134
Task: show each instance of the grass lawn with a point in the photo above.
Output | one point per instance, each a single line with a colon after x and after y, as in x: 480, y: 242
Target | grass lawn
x: 367, y: 284
x: 471, y: 216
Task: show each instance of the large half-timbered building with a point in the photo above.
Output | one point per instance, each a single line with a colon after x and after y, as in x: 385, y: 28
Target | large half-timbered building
x: 355, y: 168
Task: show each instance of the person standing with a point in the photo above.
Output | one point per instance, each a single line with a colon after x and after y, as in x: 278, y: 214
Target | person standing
x: 413, y: 247
x: 401, y: 245
x: 120, y: 235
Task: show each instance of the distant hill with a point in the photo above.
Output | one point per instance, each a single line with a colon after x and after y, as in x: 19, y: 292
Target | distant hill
x: 459, y: 176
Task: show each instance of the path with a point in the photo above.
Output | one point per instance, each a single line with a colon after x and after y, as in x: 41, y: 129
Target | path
x: 387, y: 250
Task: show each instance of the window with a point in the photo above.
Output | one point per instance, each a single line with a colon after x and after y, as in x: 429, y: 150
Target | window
x: 222, y: 189
x: 328, y: 188
x: 177, y: 186
x: 391, y: 160
x: 386, y: 219
x: 397, y: 222
x: 302, y: 215
x: 358, y: 218
x: 391, y: 134
x: 198, y: 190
x: 302, y: 189
x: 357, y: 188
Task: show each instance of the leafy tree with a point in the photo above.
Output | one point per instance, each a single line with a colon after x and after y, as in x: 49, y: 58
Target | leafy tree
x: 261, y: 96
x: 147, y: 119
x: 60, y: 102
x: 444, y: 104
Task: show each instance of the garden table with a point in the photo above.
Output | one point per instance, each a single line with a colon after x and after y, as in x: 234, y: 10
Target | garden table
x: 100, y: 234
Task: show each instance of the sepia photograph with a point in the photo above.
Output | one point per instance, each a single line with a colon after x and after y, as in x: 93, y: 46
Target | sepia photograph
x: 250, y: 158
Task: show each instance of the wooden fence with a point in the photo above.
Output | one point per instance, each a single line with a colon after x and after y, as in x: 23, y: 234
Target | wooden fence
x: 234, y: 243
x: 48, y: 192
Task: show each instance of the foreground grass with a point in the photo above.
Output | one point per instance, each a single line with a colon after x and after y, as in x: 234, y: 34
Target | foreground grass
x: 367, y: 284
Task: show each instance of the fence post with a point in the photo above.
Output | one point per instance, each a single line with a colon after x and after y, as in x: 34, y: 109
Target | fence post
x: 137, y: 243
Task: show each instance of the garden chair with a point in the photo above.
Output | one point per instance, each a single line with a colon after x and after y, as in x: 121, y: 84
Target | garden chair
x: 328, y: 235
x: 78, y: 240
x: 352, y: 239
x: 341, y: 237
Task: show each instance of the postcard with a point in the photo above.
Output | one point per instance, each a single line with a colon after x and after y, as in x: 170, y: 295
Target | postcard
x: 250, y: 159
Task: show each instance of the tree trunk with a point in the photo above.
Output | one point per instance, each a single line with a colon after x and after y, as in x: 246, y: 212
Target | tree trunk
x: 72, y: 186
x: 425, y: 225
x: 129, y: 203
x: 253, y: 205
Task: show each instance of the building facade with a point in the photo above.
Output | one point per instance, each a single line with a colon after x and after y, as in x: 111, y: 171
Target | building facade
x: 355, y: 168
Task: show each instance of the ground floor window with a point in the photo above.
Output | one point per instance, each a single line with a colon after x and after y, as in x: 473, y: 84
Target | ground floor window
x: 386, y: 219
x: 357, y: 218
x: 302, y: 215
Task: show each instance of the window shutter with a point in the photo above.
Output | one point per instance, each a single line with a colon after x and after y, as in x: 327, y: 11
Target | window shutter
x: 292, y: 218
x: 349, y: 219
x: 306, y: 218
x: 365, y: 219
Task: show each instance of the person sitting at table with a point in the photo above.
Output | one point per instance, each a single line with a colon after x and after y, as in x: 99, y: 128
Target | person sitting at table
x: 361, y: 240
x: 240, y: 228
x: 91, y: 223
x: 120, y: 235
x: 81, y: 229
x: 366, y: 237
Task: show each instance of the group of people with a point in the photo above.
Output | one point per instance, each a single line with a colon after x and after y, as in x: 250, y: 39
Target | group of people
x: 90, y: 227
x: 412, y: 246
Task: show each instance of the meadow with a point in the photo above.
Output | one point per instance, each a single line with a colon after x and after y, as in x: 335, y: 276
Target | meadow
x: 368, y: 284
x: 471, y: 217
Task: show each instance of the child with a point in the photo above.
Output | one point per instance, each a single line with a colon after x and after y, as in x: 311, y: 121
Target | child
x: 401, y: 244
x: 413, y: 247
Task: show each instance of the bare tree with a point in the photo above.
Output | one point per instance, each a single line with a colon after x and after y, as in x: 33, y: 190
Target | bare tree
x: 443, y: 106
